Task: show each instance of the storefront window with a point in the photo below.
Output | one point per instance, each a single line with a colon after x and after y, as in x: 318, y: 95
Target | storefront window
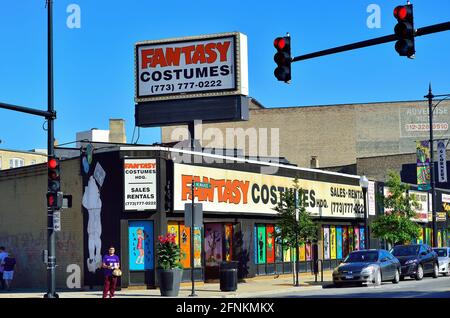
x: 140, y: 245
x: 339, y: 240
x: 183, y: 238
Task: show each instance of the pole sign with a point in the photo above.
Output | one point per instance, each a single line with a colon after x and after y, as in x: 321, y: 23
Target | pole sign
x: 139, y: 184
x: 198, y: 215
x: 189, y: 67
x: 442, y: 162
x: 57, y: 221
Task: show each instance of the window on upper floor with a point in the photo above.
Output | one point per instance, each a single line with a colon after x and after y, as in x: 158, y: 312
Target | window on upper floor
x: 16, y: 162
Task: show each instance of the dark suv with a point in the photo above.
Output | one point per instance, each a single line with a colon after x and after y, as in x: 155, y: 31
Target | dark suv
x: 416, y: 260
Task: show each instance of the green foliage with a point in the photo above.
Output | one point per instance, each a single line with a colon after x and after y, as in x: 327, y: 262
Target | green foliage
x: 396, y: 226
x: 293, y: 233
x: 168, y: 252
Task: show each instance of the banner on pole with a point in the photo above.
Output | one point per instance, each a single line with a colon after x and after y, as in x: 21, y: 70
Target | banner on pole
x: 423, y: 165
x: 442, y: 163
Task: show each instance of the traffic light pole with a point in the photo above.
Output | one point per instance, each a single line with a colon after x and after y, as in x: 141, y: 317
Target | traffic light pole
x: 51, y: 235
x: 384, y: 39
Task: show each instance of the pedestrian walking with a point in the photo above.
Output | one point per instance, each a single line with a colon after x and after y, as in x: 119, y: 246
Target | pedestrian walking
x: 111, y: 262
x: 3, y: 254
x: 8, y: 269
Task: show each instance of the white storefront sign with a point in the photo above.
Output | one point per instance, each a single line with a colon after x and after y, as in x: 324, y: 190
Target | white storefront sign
x: 208, y: 65
x: 140, y: 184
x: 423, y: 207
x: 235, y: 191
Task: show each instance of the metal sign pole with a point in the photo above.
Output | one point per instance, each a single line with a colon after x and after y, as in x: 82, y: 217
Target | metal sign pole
x: 192, y: 242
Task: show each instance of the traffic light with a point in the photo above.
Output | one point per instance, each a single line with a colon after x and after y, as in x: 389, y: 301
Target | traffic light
x: 405, y: 30
x: 283, y: 58
x: 54, y: 194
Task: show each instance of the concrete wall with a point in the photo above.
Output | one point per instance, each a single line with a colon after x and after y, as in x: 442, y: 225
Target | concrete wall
x: 23, y: 223
x: 338, y: 134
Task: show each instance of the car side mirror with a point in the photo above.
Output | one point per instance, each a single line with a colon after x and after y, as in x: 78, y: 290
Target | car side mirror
x: 423, y: 253
x: 384, y: 259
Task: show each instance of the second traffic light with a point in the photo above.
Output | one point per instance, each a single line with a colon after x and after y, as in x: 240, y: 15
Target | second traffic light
x: 404, y: 30
x: 54, y: 194
x: 283, y: 58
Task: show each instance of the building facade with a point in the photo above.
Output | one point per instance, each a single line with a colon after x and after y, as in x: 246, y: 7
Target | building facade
x: 334, y: 135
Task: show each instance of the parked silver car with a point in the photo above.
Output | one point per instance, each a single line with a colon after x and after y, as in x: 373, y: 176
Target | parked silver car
x: 444, y: 259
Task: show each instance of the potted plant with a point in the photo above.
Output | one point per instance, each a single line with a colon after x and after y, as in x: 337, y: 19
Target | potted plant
x: 169, y: 265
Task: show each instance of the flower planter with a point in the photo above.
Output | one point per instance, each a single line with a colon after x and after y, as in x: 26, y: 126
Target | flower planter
x: 169, y: 281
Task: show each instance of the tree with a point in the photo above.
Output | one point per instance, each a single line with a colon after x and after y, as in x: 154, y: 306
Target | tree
x: 396, y: 225
x: 293, y: 233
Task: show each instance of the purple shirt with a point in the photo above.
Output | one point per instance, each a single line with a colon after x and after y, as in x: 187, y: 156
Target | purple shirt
x: 110, y: 260
x: 9, y: 263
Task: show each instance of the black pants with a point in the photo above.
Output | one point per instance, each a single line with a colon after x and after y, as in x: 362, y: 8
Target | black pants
x: 2, y: 282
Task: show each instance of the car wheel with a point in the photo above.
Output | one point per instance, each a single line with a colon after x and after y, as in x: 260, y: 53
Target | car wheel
x: 436, y: 271
x: 396, y: 279
x: 448, y: 270
x: 377, y: 279
x: 419, y: 274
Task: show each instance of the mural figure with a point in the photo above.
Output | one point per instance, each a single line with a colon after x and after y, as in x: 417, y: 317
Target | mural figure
x: 140, y: 246
x: 214, y: 238
x: 91, y: 201
x: 261, y: 246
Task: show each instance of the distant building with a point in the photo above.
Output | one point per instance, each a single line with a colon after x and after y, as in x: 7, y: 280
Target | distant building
x: 10, y: 159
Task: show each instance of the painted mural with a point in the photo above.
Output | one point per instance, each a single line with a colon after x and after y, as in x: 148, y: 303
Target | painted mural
x: 302, y: 252
x: 261, y: 244
x: 213, y: 243
x: 308, y: 252
x: 351, y: 239
x: 362, y: 238
x: 197, y: 247
x: 356, y: 236
x: 345, y: 245
x: 270, y: 243
x: 228, y: 242
x: 326, y: 243
x: 339, y: 242
x: 332, y: 242
x: 140, y: 245
x: 185, y: 246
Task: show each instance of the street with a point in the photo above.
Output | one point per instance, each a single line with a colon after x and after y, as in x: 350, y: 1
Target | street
x: 409, y: 288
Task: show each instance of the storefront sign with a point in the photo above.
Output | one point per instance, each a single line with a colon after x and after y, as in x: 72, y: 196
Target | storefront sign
x: 140, y: 184
x: 235, y: 191
x: 209, y: 65
x: 422, y: 209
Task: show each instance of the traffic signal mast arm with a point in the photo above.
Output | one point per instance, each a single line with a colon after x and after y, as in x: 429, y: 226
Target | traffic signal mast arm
x: 27, y: 110
x: 384, y: 39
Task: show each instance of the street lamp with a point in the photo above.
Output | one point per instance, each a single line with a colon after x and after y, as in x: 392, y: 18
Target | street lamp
x: 364, y: 183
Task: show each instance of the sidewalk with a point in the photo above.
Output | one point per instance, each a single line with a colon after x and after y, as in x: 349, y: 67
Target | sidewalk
x: 253, y: 287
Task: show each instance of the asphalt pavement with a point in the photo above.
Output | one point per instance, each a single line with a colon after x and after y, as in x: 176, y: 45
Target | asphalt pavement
x: 409, y: 288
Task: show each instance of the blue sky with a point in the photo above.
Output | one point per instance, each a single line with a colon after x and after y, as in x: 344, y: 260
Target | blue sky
x: 94, y: 65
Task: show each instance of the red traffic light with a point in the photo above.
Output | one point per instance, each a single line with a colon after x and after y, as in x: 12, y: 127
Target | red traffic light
x: 402, y: 12
x: 279, y: 43
x: 51, y: 200
x: 52, y: 163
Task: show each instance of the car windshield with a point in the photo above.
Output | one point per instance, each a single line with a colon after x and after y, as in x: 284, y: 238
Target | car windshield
x: 362, y: 257
x: 406, y: 250
x: 441, y: 252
